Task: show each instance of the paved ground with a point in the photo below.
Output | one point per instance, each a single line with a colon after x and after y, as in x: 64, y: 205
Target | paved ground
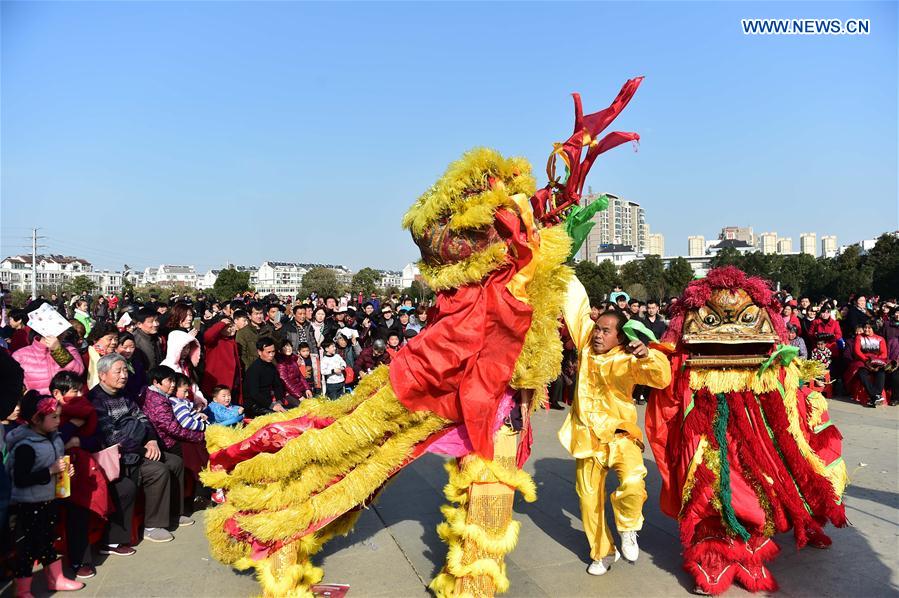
x: 395, y: 551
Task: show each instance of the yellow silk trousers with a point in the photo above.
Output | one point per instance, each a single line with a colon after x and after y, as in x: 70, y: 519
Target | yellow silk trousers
x: 625, y: 457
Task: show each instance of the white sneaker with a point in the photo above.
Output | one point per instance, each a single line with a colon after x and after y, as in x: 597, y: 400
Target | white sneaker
x: 601, y: 567
x: 629, y: 547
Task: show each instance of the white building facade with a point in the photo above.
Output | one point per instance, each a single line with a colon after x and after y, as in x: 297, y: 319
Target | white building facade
x: 54, y: 272
x: 410, y: 274
x: 286, y: 278
x: 391, y: 278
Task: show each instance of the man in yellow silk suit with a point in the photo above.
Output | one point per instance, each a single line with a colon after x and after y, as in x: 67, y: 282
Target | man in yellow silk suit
x: 601, y: 431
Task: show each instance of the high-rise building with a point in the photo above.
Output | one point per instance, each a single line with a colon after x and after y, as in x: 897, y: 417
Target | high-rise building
x: 807, y: 243
x: 623, y: 222
x: 695, y: 246
x: 767, y: 243
x: 656, y: 245
x: 737, y: 233
x: 785, y: 245
x: 828, y: 245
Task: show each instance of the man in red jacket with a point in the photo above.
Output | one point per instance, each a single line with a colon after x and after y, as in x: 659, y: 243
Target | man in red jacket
x: 223, y: 357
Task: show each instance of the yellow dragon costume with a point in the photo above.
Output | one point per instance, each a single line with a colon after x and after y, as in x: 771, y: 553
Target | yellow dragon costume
x: 493, y: 250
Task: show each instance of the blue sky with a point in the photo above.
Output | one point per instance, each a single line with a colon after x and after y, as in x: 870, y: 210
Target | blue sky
x: 162, y: 132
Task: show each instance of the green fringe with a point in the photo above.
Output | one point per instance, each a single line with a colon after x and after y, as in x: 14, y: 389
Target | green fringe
x: 727, y: 508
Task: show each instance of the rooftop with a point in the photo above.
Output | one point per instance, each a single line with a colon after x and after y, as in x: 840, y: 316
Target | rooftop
x: 616, y: 248
x: 732, y: 244
x: 53, y: 259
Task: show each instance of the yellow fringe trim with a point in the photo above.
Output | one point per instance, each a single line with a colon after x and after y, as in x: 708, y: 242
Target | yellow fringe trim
x: 455, y: 526
x: 837, y: 475
x: 292, y: 581
x: 374, y: 419
x: 451, y: 193
x: 259, y: 497
x: 478, y: 210
x: 222, y: 546
x: 540, y: 362
x: 811, y: 369
x: 482, y: 470
x: 356, y: 486
x: 817, y: 408
x: 455, y: 531
x: 691, y: 472
x: 468, y: 271
x: 219, y: 437
x: 725, y: 381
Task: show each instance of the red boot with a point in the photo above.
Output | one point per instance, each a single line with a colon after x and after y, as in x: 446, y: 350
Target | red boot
x: 23, y: 587
x: 57, y: 582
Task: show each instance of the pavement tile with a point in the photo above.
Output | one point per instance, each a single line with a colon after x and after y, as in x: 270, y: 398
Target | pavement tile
x: 394, y: 550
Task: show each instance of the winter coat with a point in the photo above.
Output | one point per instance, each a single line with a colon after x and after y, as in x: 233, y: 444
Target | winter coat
x: 262, y: 388
x: 246, y: 339
x: 90, y: 488
x: 224, y: 416
x: 137, y: 378
x: 384, y: 330
x: 11, y: 381
x: 893, y: 348
x: 367, y: 361
x: 85, y: 320
x: 290, y: 332
x: 149, y: 349
x: 800, y: 344
x: 79, y: 408
x: 289, y: 372
x: 855, y: 317
x: 863, y: 357
x: 177, y: 341
x: 890, y: 330
x: 223, y: 365
x: 36, y: 484
x: 120, y: 421
x: 40, y: 365
x: 826, y: 327
x: 350, y: 354
x: 658, y: 327
x: 313, y: 377
x: 158, y: 409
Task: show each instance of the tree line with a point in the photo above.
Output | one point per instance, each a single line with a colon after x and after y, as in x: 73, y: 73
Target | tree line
x: 851, y: 272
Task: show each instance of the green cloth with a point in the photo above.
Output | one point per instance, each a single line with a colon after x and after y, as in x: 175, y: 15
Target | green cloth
x: 785, y: 353
x: 634, y: 326
x: 579, y: 221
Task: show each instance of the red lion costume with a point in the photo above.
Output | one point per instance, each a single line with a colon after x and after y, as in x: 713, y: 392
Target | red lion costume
x: 744, y: 448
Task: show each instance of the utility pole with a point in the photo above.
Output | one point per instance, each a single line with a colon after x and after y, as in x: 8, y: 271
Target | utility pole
x: 33, y: 264
x: 34, y: 246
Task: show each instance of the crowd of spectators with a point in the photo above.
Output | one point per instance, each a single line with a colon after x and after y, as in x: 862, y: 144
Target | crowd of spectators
x: 134, y: 383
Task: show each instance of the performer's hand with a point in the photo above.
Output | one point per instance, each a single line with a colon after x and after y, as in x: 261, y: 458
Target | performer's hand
x: 637, y: 349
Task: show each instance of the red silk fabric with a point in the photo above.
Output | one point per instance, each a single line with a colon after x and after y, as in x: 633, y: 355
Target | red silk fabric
x: 460, y: 365
x: 269, y: 439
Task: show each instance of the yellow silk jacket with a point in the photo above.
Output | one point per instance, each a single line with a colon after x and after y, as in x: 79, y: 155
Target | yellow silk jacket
x: 605, y: 383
